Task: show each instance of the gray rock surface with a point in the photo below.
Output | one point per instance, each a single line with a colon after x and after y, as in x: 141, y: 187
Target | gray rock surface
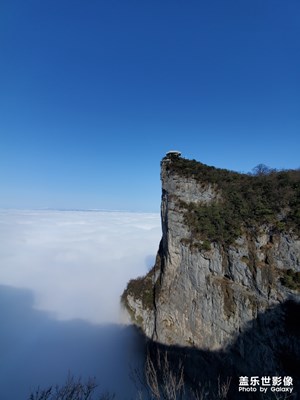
x: 206, y: 298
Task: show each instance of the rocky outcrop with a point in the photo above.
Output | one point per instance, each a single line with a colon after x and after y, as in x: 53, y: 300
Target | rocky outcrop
x: 204, y: 293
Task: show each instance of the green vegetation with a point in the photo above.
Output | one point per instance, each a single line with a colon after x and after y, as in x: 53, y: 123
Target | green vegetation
x: 141, y: 288
x: 246, y: 200
x: 291, y: 279
x: 203, y: 245
x: 144, y: 288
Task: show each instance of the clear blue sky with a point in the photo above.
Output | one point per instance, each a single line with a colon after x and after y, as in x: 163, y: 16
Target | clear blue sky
x: 93, y: 93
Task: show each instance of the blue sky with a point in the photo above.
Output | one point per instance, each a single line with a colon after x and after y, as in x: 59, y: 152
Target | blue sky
x: 93, y: 93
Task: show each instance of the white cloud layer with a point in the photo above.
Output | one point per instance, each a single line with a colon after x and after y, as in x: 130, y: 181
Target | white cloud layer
x: 76, y: 263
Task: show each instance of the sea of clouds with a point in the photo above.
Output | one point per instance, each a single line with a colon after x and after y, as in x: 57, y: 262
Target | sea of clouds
x: 61, y: 277
x: 76, y: 263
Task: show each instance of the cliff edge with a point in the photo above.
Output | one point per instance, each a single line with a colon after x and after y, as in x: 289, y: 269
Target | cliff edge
x: 229, y: 254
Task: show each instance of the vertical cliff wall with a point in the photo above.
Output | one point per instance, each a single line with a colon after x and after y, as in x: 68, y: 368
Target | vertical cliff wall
x: 230, y: 252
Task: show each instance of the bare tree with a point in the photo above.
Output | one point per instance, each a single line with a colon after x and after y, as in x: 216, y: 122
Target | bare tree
x: 223, y: 388
x: 71, y: 390
x: 262, y: 169
x: 159, y: 380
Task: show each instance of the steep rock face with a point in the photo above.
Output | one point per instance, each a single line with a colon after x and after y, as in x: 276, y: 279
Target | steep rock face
x: 204, y: 293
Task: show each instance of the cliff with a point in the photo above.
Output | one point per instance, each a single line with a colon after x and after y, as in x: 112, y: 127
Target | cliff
x: 229, y: 260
